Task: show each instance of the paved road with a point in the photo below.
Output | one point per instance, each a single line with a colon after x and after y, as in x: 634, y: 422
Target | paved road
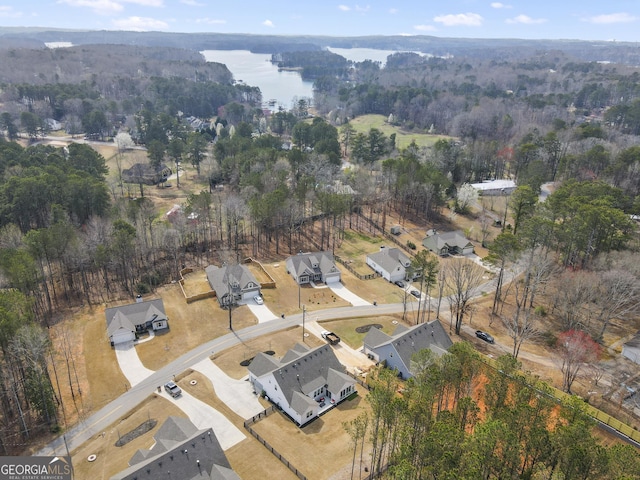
x: 126, y: 402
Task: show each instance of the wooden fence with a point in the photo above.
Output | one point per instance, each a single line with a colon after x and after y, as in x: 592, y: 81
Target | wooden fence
x: 260, y: 416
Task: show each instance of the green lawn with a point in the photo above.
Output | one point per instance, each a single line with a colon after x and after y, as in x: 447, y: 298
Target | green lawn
x: 364, y: 123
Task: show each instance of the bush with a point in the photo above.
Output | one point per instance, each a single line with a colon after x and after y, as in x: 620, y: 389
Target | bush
x: 143, y: 288
x: 540, y: 310
x: 549, y: 339
x: 411, y: 245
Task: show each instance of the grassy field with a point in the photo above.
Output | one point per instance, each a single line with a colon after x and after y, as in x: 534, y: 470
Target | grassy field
x: 404, y: 138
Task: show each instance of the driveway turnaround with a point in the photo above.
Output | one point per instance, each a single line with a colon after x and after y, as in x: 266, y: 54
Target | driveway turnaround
x: 261, y: 312
x: 130, y: 363
x: 203, y: 416
x: 352, y: 359
x: 344, y: 293
x: 236, y: 394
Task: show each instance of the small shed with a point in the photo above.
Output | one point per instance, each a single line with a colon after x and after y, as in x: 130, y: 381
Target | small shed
x: 396, y: 230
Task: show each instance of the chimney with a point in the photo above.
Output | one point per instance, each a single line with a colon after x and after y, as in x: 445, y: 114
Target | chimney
x: 138, y: 298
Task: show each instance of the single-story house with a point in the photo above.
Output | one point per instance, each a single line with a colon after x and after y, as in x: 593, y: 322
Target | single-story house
x: 232, y: 283
x: 631, y: 349
x: 126, y: 322
x: 391, y: 263
x: 447, y: 243
x: 146, y: 174
x: 313, y: 267
x: 303, y: 383
x: 180, y: 451
x: 495, y: 187
x: 396, y: 350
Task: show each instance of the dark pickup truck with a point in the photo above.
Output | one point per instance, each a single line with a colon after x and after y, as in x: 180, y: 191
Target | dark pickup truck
x: 330, y: 337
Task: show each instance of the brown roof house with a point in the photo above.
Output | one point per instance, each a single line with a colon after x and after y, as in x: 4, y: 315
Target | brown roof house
x: 180, y: 452
x: 447, y: 243
x: 303, y: 383
x: 126, y: 322
x: 232, y: 283
x: 396, y: 350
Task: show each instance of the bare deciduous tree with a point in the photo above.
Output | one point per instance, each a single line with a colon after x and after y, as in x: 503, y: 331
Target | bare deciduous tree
x: 461, y: 277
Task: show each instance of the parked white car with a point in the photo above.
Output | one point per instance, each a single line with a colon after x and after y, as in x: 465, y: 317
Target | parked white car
x: 258, y: 299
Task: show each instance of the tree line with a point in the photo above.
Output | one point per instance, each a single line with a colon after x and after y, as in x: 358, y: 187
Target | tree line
x: 458, y: 417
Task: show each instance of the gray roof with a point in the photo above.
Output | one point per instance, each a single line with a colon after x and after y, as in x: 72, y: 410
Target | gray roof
x: 389, y: 258
x: 439, y: 241
x: 407, y: 341
x: 134, y: 314
x: 634, y: 342
x: 312, y: 263
x: 239, y: 277
x: 303, y: 372
x: 181, y: 452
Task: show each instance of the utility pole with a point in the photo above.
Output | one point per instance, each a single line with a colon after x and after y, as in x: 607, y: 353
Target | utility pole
x: 303, y: 312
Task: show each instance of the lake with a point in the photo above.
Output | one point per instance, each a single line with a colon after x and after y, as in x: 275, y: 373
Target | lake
x: 256, y: 70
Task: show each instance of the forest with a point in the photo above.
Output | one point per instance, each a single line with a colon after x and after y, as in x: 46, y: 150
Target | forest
x: 72, y: 233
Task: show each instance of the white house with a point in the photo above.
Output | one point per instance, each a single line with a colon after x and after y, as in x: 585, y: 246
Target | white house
x: 495, y: 187
x: 313, y: 267
x: 232, y: 283
x: 303, y: 383
x: 447, y: 243
x: 125, y: 322
x: 396, y: 350
x: 391, y: 263
x: 631, y: 349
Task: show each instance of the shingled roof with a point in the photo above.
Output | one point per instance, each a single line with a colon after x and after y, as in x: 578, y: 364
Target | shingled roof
x: 135, y: 314
x: 301, y: 371
x: 181, y: 452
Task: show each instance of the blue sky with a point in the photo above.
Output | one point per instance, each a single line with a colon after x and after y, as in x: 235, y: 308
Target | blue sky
x: 558, y: 19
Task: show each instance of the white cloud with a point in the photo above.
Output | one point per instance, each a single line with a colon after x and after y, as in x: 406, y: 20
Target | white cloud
x: 7, y: 11
x: 140, y: 24
x: 393, y: 11
x: 612, y: 18
x: 358, y: 8
x: 211, y: 21
x: 344, y: 8
x: 464, y: 19
x: 499, y: 5
x: 425, y: 28
x: 268, y: 23
x: 527, y: 20
x: 147, y: 3
x: 193, y: 3
x: 103, y: 7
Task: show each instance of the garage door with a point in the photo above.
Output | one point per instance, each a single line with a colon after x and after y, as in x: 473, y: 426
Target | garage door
x: 122, y: 336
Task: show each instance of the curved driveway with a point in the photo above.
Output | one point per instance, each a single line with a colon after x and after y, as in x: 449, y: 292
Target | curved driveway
x: 107, y: 415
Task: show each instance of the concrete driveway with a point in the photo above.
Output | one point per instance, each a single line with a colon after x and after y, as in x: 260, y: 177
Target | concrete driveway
x: 261, y: 312
x: 204, y: 416
x: 236, y: 394
x: 344, y: 293
x: 352, y: 359
x: 130, y: 363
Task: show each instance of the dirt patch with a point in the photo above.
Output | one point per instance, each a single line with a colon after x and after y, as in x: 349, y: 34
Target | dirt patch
x: 369, y: 326
x: 136, y: 432
x: 195, y: 283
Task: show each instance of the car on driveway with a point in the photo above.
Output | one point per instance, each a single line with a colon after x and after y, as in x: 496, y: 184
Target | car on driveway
x: 399, y: 283
x: 258, y: 299
x: 415, y: 293
x: 172, y: 389
x: 484, y: 336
